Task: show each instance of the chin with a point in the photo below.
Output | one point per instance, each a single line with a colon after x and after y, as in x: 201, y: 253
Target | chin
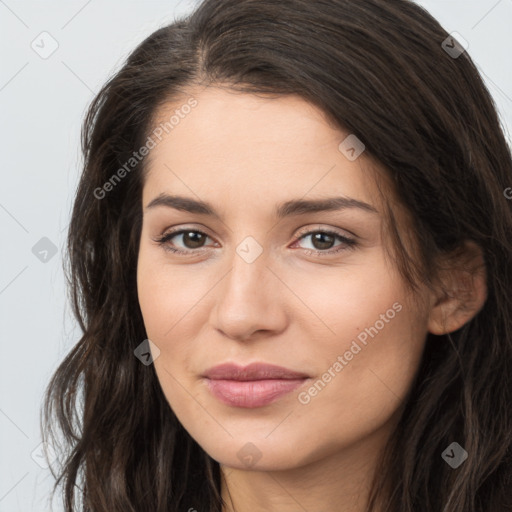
x: 259, y: 454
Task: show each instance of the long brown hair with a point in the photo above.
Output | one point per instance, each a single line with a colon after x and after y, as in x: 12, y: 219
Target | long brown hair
x: 381, y: 70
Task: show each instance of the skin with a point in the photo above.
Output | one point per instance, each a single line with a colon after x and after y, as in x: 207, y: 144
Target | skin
x: 244, y: 155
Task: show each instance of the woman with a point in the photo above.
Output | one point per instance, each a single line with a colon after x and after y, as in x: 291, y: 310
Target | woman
x: 290, y: 256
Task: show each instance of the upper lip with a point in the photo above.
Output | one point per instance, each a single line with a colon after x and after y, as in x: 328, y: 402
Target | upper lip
x: 253, y: 371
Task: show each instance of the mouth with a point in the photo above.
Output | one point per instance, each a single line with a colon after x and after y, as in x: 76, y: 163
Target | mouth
x: 255, y: 385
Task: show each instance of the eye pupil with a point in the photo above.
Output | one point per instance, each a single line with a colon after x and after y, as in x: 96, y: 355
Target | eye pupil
x: 317, y: 237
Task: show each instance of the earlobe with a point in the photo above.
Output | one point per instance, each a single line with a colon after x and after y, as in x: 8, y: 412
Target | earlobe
x: 462, y: 291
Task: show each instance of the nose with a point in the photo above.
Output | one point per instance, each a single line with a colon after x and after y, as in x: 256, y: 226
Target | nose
x: 250, y: 300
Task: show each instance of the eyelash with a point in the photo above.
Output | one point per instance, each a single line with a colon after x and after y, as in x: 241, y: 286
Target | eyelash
x: 348, y: 243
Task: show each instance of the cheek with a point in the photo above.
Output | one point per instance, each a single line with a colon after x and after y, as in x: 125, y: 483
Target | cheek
x: 373, y: 368
x: 350, y: 298
x: 172, y: 312
x: 360, y: 388
x: 372, y: 344
x: 166, y: 295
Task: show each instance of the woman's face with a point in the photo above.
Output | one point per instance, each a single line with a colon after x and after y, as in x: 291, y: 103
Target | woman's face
x: 267, y: 275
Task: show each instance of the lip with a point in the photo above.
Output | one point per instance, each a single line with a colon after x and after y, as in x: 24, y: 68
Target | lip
x: 255, y: 385
x: 253, y: 371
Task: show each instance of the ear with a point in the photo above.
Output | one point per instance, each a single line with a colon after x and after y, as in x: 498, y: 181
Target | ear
x: 461, y: 291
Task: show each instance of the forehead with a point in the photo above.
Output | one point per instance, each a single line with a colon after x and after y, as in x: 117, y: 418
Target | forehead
x: 259, y: 148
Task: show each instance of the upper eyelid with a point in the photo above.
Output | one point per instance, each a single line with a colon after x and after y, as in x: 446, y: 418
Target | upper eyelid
x: 338, y: 231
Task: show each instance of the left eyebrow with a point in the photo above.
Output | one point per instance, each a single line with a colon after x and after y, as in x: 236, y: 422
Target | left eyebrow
x: 286, y: 209
x: 301, y: 206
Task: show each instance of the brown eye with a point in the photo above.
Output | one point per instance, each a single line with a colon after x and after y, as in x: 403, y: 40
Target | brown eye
x: 323, y: 241
x: 191, y: 240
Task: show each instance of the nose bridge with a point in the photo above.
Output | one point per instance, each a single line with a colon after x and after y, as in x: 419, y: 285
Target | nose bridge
x: 248, y: 299
x: 249, y: 272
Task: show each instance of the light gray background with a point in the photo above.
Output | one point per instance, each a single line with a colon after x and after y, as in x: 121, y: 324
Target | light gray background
x: 42, y: 104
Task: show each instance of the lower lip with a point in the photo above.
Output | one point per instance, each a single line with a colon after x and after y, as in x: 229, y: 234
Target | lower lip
x: 253, y: 393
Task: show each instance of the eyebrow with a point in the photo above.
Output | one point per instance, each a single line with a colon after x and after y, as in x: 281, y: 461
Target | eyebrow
x: 286, y: 209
